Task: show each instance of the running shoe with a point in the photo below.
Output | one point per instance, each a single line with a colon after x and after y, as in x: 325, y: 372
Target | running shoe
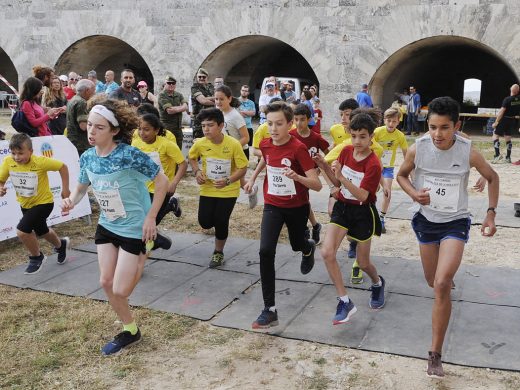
x: 163, y: 242
x: 175, y: 206
x: 507, y: 160
x: 217, y: 259
x: 377, y: 298
x: 496, y: 159
x: 253, y: 197
x: 343, y: 312
x: 266, y: 319
x: 352, y: 250
x: 62, y: 250
x: 356, y: 276
x: 434, y: 365
x: 383, y: 228
x: 516, y: 162
x: 316, y: 230
x: 122, y: 340
x: 35, y: 265
x: 308, y: 260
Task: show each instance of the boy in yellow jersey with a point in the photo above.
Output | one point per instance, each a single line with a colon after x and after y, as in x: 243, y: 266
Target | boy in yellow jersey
x: 29, y: 178
x: 357, y: 274
x: 390, y: 138
x: 340, y: 131
x: 167, y: 155
x: 223, y: 165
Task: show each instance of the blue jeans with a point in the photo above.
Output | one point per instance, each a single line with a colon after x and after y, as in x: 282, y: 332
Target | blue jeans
x: 412, y: 124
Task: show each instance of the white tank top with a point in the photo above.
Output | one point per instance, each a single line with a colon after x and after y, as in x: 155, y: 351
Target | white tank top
x: 446, y: 173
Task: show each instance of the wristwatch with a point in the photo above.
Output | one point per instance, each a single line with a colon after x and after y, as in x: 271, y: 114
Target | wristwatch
x: 228, y: 182
x: 491, y: 209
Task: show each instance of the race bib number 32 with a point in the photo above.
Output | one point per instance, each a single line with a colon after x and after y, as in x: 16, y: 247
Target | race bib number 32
x: 25, y: 183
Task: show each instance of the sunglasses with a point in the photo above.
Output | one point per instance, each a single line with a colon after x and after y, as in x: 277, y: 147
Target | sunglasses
x: 172, y: 82
x: 73, y: 79
x: 202, y: 77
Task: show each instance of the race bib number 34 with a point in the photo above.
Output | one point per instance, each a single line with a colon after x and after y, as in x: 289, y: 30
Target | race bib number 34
x: 110, y: 204
x: 25, y: 183
x: 444, y: 193
x: 217, y: 168
x: 279, y: 184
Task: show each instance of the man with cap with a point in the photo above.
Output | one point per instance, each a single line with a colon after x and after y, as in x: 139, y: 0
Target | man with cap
x: 125, y: 91
x: 171, y: 106
x: 202, y: 96
x: 92, y: 76
x: 265, y: 99
x: 363, y: 98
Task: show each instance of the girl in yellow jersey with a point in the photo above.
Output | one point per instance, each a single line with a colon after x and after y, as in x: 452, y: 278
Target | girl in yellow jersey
x: 223, y: 165
x: 167, y: 155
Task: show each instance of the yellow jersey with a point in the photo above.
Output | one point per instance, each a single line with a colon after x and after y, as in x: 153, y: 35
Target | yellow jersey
x: 169, y: 136
x: 334, y: 153
x: 30, y: 181
x: 389, y: 142
x: 261, y: 133
x: 338, y: 134
x: 219, y: 161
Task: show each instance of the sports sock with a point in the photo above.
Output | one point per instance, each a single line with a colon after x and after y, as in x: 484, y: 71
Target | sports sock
x: 344, y: 298
x: 378, y: 284
x: 382, y: 215
x: 39, y: 257
x: 272, y: 308
x: 496, y: 145
x: 132, y: 328
x: 509, y: 146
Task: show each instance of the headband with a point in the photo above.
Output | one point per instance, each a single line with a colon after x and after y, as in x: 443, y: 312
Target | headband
x: 105, y: 113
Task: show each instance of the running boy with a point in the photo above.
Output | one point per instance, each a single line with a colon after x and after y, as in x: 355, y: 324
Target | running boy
x: 118, y: 173
x: 29, y: 178
x: 357, y: 171
x: 442, y: 160
x: 290, y: 175
x: 223, y: 165
x: 390, y: 138
x: 314, y: 143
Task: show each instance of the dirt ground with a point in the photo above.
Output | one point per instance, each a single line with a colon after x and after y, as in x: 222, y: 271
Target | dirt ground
x: 51, y: 341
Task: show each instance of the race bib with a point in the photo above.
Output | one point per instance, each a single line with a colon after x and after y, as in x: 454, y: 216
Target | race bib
x: 355, y: 177
x: 154, y: 156
x: 217, y: 168
x: 279, y: 184
x: 386, y: 157
x: 110, y: 204
x: 25, y: 183
x: 444, y: 193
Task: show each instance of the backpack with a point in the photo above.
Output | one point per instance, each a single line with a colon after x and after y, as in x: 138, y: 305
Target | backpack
x: 22, y: 125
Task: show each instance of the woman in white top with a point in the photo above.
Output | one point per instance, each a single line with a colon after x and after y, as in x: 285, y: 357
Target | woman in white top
x: 235, y: 124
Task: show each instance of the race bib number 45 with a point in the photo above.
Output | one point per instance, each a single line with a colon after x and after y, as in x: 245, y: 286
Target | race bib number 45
x: 110, y: 204
x: 279, y: 184
x: 25, y: 183
x: 444, y: 193
x: 217, y: 168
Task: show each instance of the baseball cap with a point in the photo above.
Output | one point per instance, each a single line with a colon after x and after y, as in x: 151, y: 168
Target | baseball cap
x: 203, y: 72
x: 63, y: 78
x: 170, y: 79
x: 142, y: 83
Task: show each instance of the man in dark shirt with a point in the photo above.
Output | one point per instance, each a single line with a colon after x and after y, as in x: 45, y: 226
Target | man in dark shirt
x: 77, y: 115
x: 171, y: 106
x: 202, y: 96
x: 506, y: 123
x: 125, y: 91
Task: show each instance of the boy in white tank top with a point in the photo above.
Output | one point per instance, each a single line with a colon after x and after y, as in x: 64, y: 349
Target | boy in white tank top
x: 442, y: 160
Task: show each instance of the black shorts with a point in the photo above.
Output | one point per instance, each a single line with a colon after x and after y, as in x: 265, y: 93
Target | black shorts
x: 433, y: 233
x: 134, y: 246
x: 35, y: 219
x: 361, y: 221
x: 506, y: 126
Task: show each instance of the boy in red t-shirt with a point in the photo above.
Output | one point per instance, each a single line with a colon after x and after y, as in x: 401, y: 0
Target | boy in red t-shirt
x: 290, y: 174
x: 357, y: 172
x: 314, y: 143
x: 318, y: 115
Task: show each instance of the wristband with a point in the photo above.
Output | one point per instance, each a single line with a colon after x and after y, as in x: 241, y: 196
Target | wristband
x: 491, y: 209
x: 228, y: 182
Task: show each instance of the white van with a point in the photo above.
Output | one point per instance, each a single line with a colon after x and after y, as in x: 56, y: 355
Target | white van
x: 296, y: 82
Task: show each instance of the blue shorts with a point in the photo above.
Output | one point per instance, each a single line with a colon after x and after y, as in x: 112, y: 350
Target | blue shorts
x: 388, y: 172
x: 433, y: 233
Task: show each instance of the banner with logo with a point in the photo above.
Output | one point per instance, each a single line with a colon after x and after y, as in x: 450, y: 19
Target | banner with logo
x: 60, y: 148
x: 187, y: 143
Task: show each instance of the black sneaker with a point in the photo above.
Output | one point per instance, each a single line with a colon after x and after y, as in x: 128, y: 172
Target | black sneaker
x: 308, y: 260
x: 122, y: 340
x: 175, y: 206
x: 35, y: 264
x: 62, y: 250
x: 163, y: 242
x: 266, y: 319
x: 377, y: 298
x: 316, y: 230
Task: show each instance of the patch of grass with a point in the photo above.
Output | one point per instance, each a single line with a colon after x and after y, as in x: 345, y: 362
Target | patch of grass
x: 320, y: 361
x: 318, y: 381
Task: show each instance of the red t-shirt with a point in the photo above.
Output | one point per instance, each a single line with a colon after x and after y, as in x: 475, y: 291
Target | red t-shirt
x: 317, y: 127
x: 364, y: 174
x: 279, y: 190
x: 69, y: 92
x: 314, y: 142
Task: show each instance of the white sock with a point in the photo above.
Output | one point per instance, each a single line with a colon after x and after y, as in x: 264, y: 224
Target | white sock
x: 272, y: 308
x: 378, y: 284
x: 344, y: 298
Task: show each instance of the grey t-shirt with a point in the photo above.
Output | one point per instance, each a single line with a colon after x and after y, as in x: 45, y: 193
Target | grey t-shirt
x: 233, y: 122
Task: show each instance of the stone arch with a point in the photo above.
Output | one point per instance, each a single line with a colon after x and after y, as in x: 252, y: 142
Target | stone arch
x: 250, y: 58
x: 438, y: 66
x: 102, y: 53
x: 8, y: 70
